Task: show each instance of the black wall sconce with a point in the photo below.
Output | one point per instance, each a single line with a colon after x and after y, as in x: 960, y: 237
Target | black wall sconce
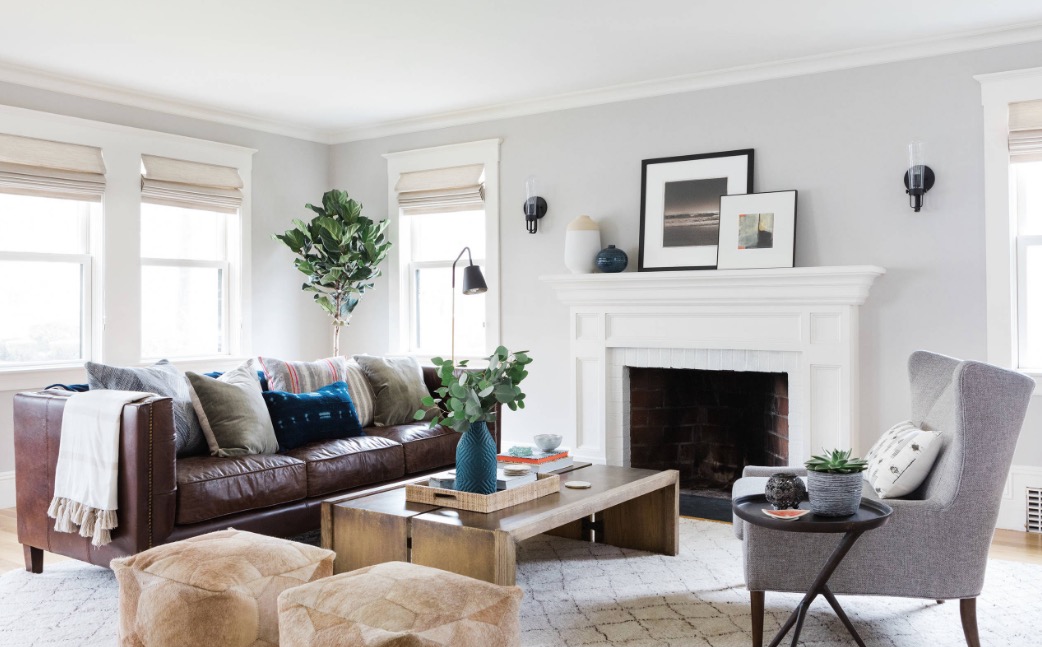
x: 919, y: 177
x: 535, y: 207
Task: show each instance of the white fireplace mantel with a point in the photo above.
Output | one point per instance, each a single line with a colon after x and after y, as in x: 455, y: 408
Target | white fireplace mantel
x: 801, y: 321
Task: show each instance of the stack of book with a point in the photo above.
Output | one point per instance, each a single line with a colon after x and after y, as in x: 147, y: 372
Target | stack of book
x: 540, y: 462
x: 447, y: 480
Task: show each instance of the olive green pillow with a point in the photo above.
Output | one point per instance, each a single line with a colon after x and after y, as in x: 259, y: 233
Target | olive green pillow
x: 232, y: 412
x: 399, y: 388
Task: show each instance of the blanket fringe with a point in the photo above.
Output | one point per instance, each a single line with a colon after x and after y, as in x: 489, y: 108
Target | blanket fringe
x: 92, y: 522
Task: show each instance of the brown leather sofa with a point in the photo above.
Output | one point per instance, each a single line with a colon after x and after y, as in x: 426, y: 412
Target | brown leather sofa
x: 164, y: 499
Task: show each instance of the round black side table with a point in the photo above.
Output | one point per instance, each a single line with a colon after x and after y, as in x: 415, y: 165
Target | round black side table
x: 871, y: 514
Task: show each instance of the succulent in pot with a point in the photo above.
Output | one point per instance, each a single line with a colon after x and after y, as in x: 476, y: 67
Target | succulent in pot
x: 834, y: 483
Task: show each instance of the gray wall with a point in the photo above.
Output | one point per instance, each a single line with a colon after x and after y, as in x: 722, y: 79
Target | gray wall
x: 839, y: 138
x: 287, y: 173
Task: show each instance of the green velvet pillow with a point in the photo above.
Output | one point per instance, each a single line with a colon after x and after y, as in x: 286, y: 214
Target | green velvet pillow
x: 399, y: 388
x: 232, y: 412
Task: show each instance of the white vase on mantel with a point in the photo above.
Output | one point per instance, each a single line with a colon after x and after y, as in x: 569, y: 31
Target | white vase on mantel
x: 582, y: 242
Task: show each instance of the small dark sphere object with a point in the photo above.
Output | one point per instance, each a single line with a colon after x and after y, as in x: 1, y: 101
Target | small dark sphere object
x: 785, y: 490
x: 611, y: 259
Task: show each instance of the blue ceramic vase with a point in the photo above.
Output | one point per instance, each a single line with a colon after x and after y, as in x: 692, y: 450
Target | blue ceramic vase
x: 476, y: 460
x: 611, y: 259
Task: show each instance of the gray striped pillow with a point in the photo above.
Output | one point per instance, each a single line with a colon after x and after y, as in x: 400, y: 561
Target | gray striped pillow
x: 307, y: 377
x: 162, y: 379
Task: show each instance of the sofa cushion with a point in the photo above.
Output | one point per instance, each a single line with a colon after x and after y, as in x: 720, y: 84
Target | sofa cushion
x: 232, y: 412
x: 162, y: 379
x: 302, y: 418
x: 425, y: 448
x: 305, y: 377
x: 335, y: 465
x: 399, y: 387
x: 209, y: 486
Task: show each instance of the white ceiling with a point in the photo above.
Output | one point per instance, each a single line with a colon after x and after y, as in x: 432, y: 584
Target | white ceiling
x: 337, y: 70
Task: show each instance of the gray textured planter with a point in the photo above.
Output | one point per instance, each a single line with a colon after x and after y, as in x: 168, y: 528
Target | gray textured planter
x: 834, y: 495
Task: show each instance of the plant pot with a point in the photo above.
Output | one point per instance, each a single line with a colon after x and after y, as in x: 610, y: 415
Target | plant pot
x: 476, y: 460
x: 834, y: 495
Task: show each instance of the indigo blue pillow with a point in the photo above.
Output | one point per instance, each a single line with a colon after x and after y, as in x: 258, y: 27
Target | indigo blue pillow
x: 302, y: 418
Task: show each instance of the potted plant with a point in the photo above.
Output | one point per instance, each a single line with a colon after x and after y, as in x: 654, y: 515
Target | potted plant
x: 339, y: 251
x: 834, y: 483
x: 467, y: 399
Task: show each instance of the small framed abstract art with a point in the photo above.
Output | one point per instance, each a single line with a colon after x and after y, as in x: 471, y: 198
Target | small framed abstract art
x: 757, y: 230
x: 680, y: 207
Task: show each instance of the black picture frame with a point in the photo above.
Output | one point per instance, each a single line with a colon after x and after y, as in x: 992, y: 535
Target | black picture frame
x: 696, y: 178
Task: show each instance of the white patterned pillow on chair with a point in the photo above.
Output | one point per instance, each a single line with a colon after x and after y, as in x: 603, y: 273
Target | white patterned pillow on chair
x: 901, y: 459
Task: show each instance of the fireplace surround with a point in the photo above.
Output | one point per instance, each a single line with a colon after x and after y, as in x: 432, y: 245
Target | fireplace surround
x: 802, y: 322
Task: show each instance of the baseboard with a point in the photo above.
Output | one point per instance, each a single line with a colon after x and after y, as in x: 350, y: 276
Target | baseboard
x: 7, y: 489
x: 1012, y: 511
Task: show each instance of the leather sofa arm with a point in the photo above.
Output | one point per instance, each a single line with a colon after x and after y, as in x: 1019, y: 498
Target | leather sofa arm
x: 147, y: 477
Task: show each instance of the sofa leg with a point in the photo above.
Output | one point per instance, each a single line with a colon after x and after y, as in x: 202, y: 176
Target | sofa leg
x: 33, y: 559
x: 968, y: 610
x: 756, y: 602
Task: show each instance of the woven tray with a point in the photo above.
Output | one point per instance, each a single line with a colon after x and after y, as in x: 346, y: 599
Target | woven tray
x: 545, y: 484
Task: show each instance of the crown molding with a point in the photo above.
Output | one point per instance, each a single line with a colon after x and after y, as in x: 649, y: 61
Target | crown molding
x: 848, y: 59
x: 33, y: 78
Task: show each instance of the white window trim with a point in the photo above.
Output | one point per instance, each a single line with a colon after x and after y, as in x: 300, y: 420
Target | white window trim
x: 480, y: 152
x: 116, y: 322
x: 1000, y: 222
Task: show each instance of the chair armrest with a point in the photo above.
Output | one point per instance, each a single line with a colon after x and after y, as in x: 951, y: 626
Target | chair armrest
x: 763, y: 471
x: 147, y: 473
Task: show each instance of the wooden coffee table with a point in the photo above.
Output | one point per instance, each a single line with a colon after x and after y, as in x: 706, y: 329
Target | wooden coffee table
x: 625, y: 507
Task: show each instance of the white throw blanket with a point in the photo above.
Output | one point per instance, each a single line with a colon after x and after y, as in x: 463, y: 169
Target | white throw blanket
x: 85, y: 478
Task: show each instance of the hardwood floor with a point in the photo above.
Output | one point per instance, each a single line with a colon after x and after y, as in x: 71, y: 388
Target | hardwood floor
x: 1009, y: 545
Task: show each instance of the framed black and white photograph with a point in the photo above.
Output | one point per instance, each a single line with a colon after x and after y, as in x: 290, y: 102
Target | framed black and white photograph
x: 757, y: 230
x: 680, y: 207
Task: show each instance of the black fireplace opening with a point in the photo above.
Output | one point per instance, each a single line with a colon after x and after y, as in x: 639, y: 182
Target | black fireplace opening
x: 708, y: 425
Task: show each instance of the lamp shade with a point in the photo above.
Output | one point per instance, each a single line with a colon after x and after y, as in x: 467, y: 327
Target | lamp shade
x: 473, y: 280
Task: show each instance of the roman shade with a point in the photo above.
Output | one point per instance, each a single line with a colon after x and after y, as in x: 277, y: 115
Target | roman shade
x: 180, y: 183
x: 1025, y: 131
x: 460, y: 188
x: 51, y: 169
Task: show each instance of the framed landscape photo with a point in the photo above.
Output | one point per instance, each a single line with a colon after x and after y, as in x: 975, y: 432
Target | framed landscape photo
x: 680, y: 207
x: 757, y: 230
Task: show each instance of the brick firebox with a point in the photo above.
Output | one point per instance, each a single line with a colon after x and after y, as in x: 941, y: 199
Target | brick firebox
x: 707, y: 424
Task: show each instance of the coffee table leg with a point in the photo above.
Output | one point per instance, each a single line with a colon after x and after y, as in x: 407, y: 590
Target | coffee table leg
x: 482, y: 554
x: 650, y: 522
x: 825, y: 591
x: 365, y: 538
x: 796, y: 617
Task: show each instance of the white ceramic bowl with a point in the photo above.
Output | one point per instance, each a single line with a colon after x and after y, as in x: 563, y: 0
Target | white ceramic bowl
x: 548, y: 442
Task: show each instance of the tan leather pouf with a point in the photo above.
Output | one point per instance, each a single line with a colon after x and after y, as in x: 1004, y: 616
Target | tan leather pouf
x: 400, y: 605
x: 216, y: 589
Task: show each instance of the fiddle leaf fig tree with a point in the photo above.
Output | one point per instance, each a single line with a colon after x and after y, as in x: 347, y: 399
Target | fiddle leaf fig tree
x: 339, y: 250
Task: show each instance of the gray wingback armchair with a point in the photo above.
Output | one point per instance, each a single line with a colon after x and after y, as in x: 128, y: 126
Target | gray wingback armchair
x: 936, y: 543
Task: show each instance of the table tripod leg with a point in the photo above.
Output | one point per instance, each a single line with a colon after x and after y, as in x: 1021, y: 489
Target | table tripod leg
x: 818, y: 586
x: 825, y: 591
x: 799, y: 623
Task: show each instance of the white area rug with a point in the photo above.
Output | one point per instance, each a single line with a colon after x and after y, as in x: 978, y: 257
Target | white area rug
x: 595, y: 595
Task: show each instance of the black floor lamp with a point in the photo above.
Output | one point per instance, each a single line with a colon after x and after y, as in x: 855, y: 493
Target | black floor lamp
x: 473, y: 283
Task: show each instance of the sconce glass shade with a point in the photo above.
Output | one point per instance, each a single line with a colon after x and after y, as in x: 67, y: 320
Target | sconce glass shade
x: 535, y: 207
x: 473, y: 280
x: 919, y: 177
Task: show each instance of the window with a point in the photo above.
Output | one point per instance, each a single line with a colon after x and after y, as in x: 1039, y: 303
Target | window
x: 431, y: 243
x: 1012, y: 104
x: 49, y: 195
x: 45, y: 279
x: 189, y: 234
x: 443, y: 208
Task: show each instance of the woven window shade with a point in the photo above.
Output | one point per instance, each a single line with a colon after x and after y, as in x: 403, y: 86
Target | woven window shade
x: 1025, y: 131
x: 51, y: 169
x: 190, y: 184
x: 460, y: 188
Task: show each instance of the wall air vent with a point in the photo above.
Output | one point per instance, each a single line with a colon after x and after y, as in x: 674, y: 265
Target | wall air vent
x: 1034, y: 510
